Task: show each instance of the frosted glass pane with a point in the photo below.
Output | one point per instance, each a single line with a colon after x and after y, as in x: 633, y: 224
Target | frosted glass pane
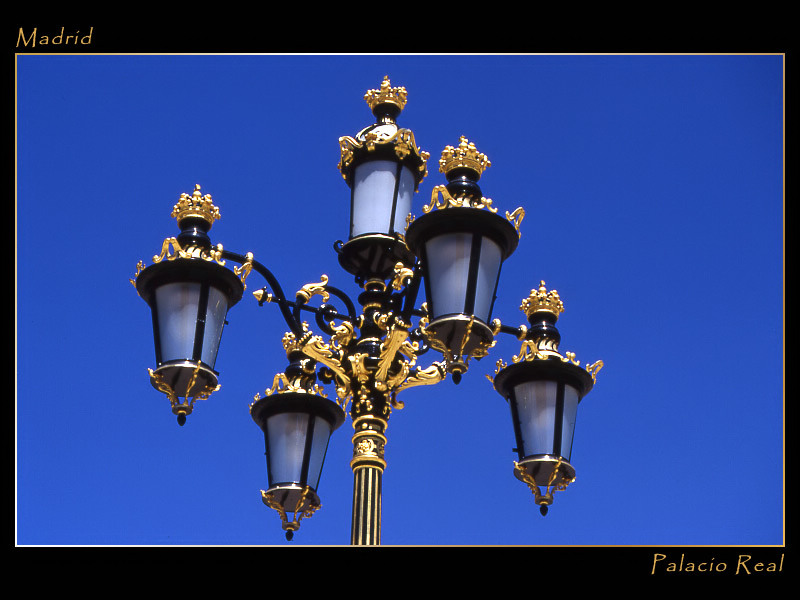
x: 215, y: 320
x: 322, y: 433
x: 177, y: 319
x: 373, y: 194
x: 405, y: 194
x: 491, y: 257
x: 536, y: 408
x: 448, y: 267
x: 570, y: 415
x: 286, y: 435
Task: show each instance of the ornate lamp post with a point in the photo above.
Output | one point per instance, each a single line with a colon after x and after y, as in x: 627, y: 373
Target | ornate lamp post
x: 366, y: 357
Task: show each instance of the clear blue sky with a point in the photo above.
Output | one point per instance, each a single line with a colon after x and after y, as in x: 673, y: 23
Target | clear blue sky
x: 653, y: 191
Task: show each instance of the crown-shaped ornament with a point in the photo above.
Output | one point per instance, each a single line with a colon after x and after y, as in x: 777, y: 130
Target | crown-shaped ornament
x: 387, y: 95
x: 195, y: 205
x: 466, y: 155
x: 542, y: 300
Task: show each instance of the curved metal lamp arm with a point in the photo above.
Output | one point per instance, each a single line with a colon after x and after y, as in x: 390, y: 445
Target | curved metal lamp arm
x: 326, y: 312
x: 289, y: 309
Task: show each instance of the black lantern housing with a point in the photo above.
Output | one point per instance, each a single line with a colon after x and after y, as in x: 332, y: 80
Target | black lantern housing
x: 462, y: 245
x: 189, y: 294
x: 383, y: 167
x: 297, y: 427
x: 543, y: 390
x: 543, y: 396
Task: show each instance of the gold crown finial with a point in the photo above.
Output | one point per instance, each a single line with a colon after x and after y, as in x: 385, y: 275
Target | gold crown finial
x: 466, y: 155
x: 542, y: 300
x: 387, y: 95
x: 196, y: 205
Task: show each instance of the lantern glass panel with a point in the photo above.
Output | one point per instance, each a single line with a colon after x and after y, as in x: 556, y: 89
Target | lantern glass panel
x: 373, y: 197
x: 448, y: 259
x: 286, y: 440
x: 571, y: 400
x: 177, y: 319
x: 490, y: 260
x: 536, y: 411
x: 215, y: 321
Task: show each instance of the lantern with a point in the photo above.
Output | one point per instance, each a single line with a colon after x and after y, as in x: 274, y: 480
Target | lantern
x: 462, y: 243
x: 383, y: 167
x: 189, y: 293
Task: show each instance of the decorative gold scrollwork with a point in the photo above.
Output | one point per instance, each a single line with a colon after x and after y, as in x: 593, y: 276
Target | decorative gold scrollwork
x: 394, y: 341
x: 516, y: 218
x: 162, y: 386
x: 401, y: 275
x: 269, y: 499
x: 312, y: 289
x: 281, y: 383
x: 547, y: 497
x: 139, y: 269
x: 570, y: 357
x: 210, y: 254
x: 441, y: 199
x: 244, y: 270
x: 429, y: 376
x: 594, y: 368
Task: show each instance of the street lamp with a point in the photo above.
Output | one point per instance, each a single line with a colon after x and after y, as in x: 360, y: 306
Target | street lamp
x: 462, y: 243
x: 383, y: 167
x: 356, y: 362
x: 543, y: 389
x: 189, y: 292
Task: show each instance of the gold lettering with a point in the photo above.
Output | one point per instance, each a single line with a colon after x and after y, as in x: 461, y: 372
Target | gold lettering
x: 657, y: 557
x: 31, y: 40
x: 741, y: 563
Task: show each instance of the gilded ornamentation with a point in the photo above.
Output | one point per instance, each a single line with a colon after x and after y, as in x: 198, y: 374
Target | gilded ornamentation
x: 547, y: 497
x: 499, y: 366
x: 395, y: 339
x: 429, y: 376
x: 196, y: 205
x: 317, y: 349
x: 384, y: 134
x: 209, y: 254
x: 542, y: 300
x: 186, y: 406
x: 262, y: 296
x: 594, y: 368
x: 269, y: 499
x: 244, y: 270
x: 441, y: 199
x: 387, y: 94
x: 312, y: 289
x: 342, y: 336
x: 516, y: 218
x: 281, y: 383
x: 466, y: 155
x: 402, y: 275
x: 139, y: 269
